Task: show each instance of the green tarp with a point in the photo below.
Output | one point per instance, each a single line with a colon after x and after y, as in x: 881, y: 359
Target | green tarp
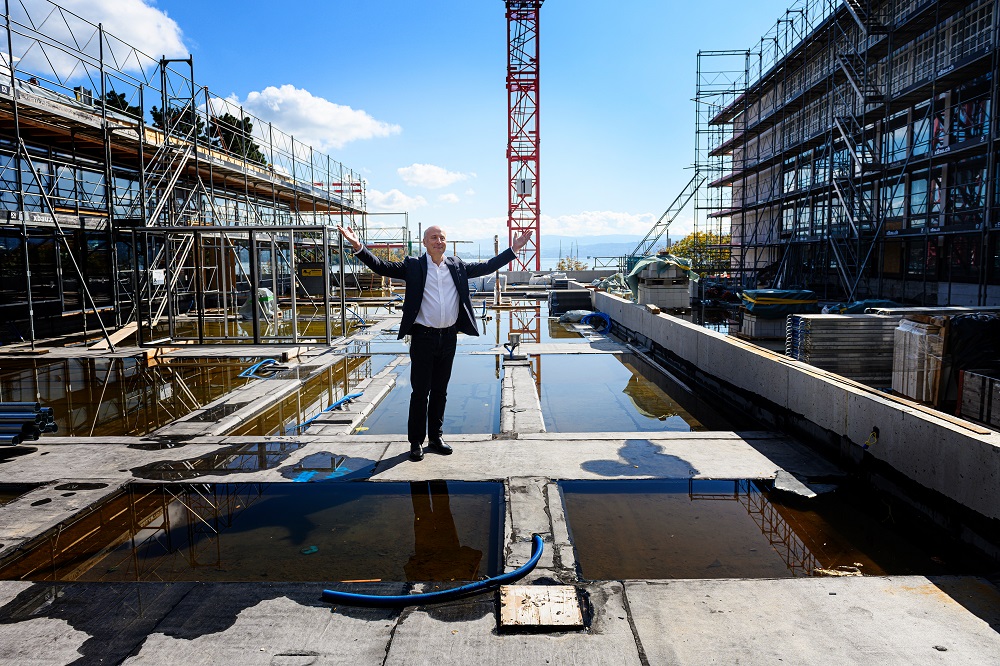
x: 777, y: 303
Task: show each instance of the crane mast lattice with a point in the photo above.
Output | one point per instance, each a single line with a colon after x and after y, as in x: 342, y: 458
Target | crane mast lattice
x: 522, y: 124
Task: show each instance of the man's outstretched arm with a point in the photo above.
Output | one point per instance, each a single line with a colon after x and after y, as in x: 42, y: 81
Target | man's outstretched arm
x: 501, y: 260
x: 393, y: 269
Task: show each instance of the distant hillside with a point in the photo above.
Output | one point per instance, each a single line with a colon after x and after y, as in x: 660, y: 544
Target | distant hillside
x: 591, y: 246
x: 557, y: 247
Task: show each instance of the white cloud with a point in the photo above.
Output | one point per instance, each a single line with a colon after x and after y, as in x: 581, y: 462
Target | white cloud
x: 313, y: 120
x: 135, y: 22
x: 448, y: 198
x: 430, y: 176
x: 598, y: 223
x: 393, y: 201
x: 470, y: 192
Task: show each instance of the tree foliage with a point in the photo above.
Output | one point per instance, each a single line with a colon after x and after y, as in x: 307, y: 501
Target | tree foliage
x: 706, y: 250
x: 234, y: 135
x: 570, y: 264
x: 185, y: 123
x: 386, y: 253
x: 117, y: 102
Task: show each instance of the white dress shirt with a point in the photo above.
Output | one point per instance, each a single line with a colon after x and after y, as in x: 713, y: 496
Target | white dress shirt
x: 439, y: 307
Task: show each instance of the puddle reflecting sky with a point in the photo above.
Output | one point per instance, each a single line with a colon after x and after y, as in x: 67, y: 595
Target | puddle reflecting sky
x: 473, y: 400
x: 742, y: 529
x: 435, y: 531
x: 616, y: 393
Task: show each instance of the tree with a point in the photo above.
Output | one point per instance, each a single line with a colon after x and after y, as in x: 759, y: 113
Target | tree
x: 706, y: 250
x: 116, y: 102
x: 570, y: 264
x: 235, y: 136
x: 386, y: 253
x: 185, y: 123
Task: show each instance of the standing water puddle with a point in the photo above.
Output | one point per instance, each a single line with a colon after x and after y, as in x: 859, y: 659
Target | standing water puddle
x: 316, y: 394
x: 119, y: 396
x: 743, y: 529
x: 473, y: 400
x: 616, y: 393
x: 423, y: 531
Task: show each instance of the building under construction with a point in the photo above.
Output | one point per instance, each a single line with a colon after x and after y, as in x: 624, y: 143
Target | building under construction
x: 138, y: 204
x: 851, y: 152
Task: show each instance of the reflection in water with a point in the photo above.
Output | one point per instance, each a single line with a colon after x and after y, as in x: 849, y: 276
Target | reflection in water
x: 701, y: 528
x: 437, y: 554
x: 616, y: 393
x: 275, y: 532
x: 315, y: 395
x: 229, y: 460
x: 473, y: 400
x: 119, y: 396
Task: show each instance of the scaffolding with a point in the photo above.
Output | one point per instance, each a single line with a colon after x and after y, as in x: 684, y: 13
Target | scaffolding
x: 136, y: 202
x: 849, y: 152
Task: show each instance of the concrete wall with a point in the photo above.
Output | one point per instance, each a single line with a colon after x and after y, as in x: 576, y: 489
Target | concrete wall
x: 959, y: 461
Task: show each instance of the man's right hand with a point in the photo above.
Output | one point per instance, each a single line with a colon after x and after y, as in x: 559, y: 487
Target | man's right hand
x: 350, y: 237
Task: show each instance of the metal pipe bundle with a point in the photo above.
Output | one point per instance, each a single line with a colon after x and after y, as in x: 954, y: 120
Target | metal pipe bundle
x: 23, y: 421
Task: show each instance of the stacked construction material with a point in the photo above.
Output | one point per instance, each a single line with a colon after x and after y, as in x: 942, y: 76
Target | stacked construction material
x: 918, y: 358
x: 980, y: 397
x: 859, y: 347
x: 23, y: 421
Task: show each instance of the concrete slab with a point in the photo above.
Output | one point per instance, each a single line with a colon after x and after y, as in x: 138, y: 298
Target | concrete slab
x: 464, y: 633
x: 49, y: 623
x: 856, y: 620
x: 36, y: 512
x: 520, y: 408
x: 589, y: 346
x: 265, y: 624
x: 120, y: 463
x: 622, y: 456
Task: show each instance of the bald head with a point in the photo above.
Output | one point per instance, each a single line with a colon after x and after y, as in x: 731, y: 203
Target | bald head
x: 435, y: 242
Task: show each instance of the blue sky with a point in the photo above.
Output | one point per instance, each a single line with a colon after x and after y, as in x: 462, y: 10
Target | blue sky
x: 411, y: 94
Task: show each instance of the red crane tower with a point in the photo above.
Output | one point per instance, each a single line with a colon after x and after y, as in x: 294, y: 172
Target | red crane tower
x: 523, y: 212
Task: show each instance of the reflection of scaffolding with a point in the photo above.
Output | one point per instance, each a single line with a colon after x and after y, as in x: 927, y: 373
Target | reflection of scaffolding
x: 118, y: 396
x: 188, y: 519
x: 317, y: 393
x: 786, y: 543
x: 527, y: 321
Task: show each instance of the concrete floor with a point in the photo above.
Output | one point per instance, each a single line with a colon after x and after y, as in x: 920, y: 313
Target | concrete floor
x: 864, y: 620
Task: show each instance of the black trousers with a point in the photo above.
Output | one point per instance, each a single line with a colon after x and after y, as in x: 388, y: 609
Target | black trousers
x: 432, y: 352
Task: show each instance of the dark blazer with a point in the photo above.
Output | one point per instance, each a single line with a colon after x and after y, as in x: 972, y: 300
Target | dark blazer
x: 414, y: 271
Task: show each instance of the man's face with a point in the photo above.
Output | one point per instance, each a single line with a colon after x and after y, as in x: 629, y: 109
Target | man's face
x: 435, y: 242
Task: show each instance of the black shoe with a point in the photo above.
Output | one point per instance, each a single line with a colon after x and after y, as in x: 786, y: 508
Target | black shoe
x: 416, y: 452
x: 437, y: 446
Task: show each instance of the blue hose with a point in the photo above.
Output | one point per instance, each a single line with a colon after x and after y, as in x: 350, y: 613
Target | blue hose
x: 249, y: 372
x: 389, y: 601
x: 605, y: 321
x: 358, y: 317
x: 336, y: 405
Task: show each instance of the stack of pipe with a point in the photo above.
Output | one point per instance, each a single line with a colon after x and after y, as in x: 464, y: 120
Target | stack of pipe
x: 23, y: 421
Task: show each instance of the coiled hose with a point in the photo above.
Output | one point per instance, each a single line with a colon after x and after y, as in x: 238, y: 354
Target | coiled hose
x: 391, y: 601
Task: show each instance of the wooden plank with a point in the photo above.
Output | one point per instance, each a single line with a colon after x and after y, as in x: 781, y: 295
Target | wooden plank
x: 117, y: 336
x: 540, y: 606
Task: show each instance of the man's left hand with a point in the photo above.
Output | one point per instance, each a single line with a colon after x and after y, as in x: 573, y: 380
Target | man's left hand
x: 521, y: 241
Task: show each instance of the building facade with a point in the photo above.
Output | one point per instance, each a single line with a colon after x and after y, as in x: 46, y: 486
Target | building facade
x: 852, y: 152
